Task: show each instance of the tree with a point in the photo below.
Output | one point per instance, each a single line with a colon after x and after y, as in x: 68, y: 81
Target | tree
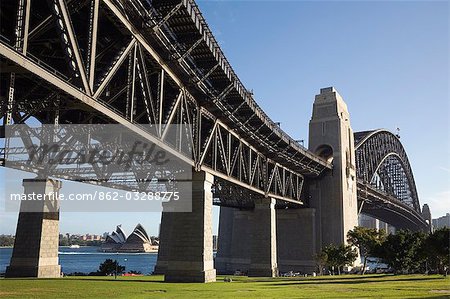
x: 367, y: 240
x: 436, y: 249
x: 63, y: 240
x: 109, y: 267
x: 402, y: 251
x: 321, y: 261
x: 6, y: 240
x: 340, y: 256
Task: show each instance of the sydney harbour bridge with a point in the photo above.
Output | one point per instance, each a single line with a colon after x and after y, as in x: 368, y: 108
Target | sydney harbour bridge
x: 150, y: 66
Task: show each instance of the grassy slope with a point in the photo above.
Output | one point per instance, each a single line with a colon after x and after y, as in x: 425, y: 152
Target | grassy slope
x: 369, y: 286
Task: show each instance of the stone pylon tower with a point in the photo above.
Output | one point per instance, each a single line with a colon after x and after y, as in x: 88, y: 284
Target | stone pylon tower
x: 426, y: 214
x: 334, y: 194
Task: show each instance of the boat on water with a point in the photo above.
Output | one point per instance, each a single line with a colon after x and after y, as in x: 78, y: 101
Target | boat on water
x: 74, y: 246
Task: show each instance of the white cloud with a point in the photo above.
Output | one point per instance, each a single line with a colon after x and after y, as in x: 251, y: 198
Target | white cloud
x: 444, y: 169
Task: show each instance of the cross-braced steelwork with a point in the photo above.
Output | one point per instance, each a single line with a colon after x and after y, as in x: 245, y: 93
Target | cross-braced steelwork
x: 146, y: 65
x: 381, y: 161
x: 385, y: 178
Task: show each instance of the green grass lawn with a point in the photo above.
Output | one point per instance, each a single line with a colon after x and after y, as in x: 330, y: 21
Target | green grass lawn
x: 368, y: 286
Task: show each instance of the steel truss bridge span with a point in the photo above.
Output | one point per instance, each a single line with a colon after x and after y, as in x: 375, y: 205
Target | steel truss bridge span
x: 150, y: 64
x: 146, y: 64
x: 386, y: 187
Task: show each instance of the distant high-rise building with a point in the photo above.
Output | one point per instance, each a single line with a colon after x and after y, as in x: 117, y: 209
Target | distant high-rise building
x: 371, y: 222
x: 442, y: 222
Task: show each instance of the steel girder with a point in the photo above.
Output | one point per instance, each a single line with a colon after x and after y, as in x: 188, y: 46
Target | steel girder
x: 389, y: 209
x: 381, y: 161
x: 108, y: 61
x: 183, y: 36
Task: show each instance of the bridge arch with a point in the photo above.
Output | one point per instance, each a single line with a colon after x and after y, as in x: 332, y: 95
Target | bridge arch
x: 381, y: 160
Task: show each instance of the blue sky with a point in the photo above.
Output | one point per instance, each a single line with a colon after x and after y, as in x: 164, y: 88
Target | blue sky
x: 388, y: 59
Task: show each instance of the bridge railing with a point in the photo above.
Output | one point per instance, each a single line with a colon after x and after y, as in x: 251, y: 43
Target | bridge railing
x: 169, y: 39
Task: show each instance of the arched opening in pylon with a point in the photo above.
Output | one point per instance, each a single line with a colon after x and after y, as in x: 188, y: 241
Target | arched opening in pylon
x: 326, y: 152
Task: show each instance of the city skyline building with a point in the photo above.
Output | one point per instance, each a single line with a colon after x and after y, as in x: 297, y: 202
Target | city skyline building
x: 441, y: 222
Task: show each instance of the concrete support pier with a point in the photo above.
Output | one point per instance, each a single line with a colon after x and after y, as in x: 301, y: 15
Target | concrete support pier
x: 234, y: 242
x: 190, y: 254
x: 296, y: 239
x: 164, y: 237
x: 35, y: 252
x: 225, y: 240
x: 263, y: 250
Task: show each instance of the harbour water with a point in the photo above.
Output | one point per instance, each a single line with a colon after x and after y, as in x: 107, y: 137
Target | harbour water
x: 87, y: 259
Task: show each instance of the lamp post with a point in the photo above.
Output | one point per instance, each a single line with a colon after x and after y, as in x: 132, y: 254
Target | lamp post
x: 125, y: 260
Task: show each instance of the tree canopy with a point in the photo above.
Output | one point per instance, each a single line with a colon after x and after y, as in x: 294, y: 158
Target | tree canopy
x: 109, y: 267
x: 367, y: 240
x: 339, y: 256
x: 437, y: 251
x: 402, y: 251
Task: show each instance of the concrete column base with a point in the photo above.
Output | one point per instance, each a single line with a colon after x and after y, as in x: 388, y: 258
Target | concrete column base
x: 35, y: 252
x: 190, y: 255
x: 53, y: 271
x: 229, y: 265
x: 190, y: 276
x: 296, y: 236
x: 225, y: 241
x: 263, y: 270
x: 160, y: 267
x: 263, y: 261
x: 234, y: 241
x: 164, y: 239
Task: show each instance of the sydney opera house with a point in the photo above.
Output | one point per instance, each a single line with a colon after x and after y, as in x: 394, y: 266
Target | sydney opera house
x: 137, y: 241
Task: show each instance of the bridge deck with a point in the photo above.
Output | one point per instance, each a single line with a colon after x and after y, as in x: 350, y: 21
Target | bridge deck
x: 82, y: 69
x: 185, y: 35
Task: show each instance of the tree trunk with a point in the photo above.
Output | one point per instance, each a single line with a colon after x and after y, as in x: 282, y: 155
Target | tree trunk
x: 364, y: 266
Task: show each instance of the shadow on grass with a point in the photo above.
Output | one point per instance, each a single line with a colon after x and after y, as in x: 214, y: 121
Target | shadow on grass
x: 350, y: 280
x: 340, y: 277
x: 117, y: 280
x: 88, y: 279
